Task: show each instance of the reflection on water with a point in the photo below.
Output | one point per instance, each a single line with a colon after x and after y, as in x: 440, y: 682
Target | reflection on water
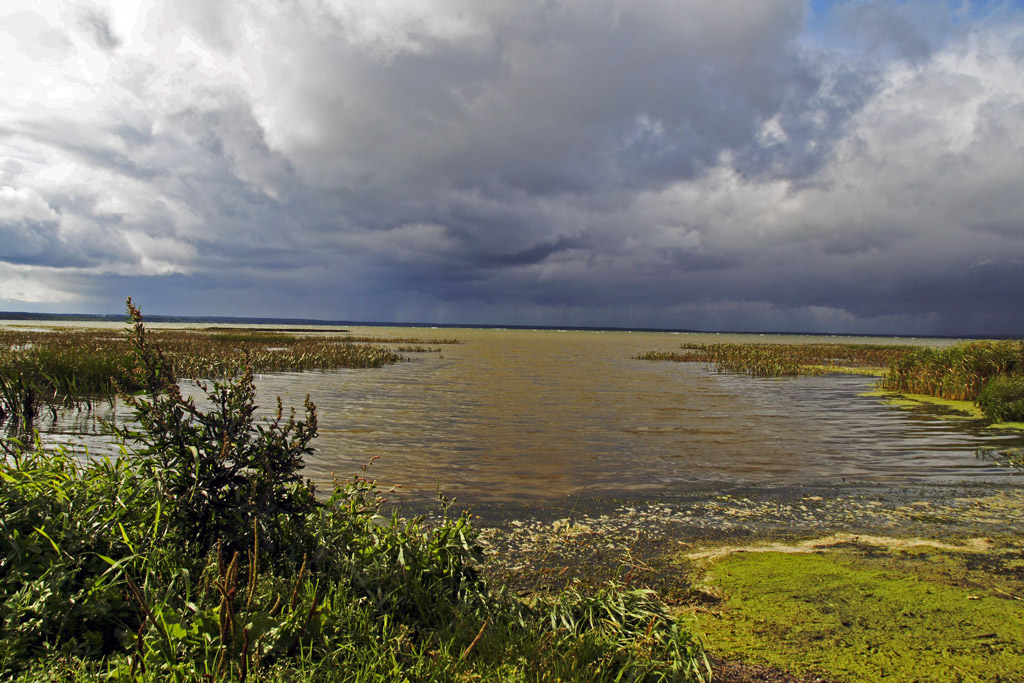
x: 514, y: 415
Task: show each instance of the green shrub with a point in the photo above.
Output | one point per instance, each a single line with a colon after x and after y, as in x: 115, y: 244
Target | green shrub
x: 223, y: 476
x: 1002, y: 399
x: 59, y: 524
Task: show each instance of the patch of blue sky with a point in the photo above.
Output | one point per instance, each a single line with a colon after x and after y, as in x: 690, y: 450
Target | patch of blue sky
x: 826, y: 22
x: 820, y: 13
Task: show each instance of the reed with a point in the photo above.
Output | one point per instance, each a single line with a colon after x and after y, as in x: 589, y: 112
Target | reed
x: 959, y: 372
x: 51, y: 370
x: 988, y: 372
x: 404, y: 340
x: 777, y: 360
x: 253, y: 337
x: 1002, y: 399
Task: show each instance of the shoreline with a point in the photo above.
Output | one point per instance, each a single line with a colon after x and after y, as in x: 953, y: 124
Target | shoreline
x: 676, y: 545
x: 757, y: 513
x: 547, y: 546
x: 723, y: 504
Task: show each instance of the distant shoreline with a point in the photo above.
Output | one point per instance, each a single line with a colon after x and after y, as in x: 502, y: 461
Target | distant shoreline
x: 313, y: 322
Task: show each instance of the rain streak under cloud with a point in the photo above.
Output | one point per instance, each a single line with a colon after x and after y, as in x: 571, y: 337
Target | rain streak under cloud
x: 754, y: 165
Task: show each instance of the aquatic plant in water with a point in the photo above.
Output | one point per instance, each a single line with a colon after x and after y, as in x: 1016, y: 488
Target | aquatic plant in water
x: 958, y: 372
x: 60, y: 369
x: 776, y: 360
x: 989, y: 372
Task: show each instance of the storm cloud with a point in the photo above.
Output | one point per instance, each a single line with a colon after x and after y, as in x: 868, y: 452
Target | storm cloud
x: 759, y: 165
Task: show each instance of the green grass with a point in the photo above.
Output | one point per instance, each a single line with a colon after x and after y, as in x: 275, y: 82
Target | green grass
x: 870, y: 616
x: 418, y: 348
x: 261, y: 337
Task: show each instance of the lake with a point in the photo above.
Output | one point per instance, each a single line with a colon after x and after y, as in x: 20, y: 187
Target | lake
x: 533, y: 416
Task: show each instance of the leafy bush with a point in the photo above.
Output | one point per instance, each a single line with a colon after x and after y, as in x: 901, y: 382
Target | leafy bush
x: 224, y: 477
x: 59, y: 522
x: 1002, y: 399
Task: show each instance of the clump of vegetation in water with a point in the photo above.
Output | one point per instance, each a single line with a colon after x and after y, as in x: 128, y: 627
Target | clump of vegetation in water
x: 56, y: 371
x: 74, y: 368
x: 405, y: 340
x: 777, y: 360
x: 1009, y: 455
x: 202, y: 555
x: 959, y: 372
x: 988, y: 372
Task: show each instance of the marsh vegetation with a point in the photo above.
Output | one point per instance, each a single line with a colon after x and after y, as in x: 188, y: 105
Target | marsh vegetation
x: 51, y: 370
x: 202, y: 554
x: 991, y: 373
x: 778, y: 360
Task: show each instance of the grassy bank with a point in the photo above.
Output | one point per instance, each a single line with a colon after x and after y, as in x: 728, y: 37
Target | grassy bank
x: 990, y: 373
x: 203, y: 555
x: 95, y: 589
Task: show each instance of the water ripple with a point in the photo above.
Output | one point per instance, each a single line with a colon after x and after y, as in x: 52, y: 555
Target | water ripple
x: 520, y: 415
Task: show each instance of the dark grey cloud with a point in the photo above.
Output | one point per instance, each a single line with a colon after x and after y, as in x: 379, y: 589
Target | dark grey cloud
x: 96, y: 24
x: 26, y: 241
x: 1012, y: 228
x: 653, y: 163
x: 533, y: 255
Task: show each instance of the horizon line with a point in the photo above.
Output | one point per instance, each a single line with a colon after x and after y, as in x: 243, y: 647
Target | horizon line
x: 316, y: 322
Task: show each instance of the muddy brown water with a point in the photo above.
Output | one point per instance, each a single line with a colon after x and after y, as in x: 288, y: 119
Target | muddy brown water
x: 530, y: 416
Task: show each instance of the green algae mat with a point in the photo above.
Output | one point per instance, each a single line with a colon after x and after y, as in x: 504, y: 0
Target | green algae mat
x: 859, y: 612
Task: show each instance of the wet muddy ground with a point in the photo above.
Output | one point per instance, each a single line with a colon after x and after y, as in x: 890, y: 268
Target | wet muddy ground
x: 661, y: 544
x: 595, y: 540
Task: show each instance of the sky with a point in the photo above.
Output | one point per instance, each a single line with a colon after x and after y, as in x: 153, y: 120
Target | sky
x: 762, y: 165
